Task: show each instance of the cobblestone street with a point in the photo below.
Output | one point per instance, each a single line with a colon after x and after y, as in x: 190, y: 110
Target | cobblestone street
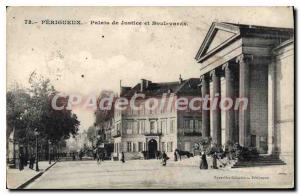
x: 151, y: 174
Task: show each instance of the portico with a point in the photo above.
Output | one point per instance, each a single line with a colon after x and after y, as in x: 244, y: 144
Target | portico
x: 236, y: 62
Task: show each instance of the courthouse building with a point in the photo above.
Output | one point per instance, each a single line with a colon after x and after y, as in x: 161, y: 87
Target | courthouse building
x: 257, y: 63
x: 163, y: 128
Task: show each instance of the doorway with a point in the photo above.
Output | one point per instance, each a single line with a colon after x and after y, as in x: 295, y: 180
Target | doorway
x: 152, y: 148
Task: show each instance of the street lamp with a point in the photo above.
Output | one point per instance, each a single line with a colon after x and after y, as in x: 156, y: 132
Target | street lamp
x: 36, y: 133
x: 49, y: 142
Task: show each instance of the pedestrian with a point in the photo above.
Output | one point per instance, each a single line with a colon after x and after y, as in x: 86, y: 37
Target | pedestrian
x: 175, y: 155
x: 21, y: 160
x: 94, y: 153
x: 215, y: 156
x: 31, y: 160
x: 123, y: 157
x: 73, y: 156
x: 80, y: 155
x: 203, y: 162
x: 25, y: 161
x: 98, y: 153
x: 164, y: 159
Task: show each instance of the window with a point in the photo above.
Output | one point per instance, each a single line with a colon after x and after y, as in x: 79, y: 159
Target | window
x: 117, y: 149
x: 152, y: 126
x: 129, y: 144
x: 128, y: 126
x: 170, y: 146
x: 135, y: 127
x: 196, y: 124
x: 142, y: 126
x: 159, y: 127
x: 191, y: 124
x: 139, y: 127
x: 163, y: 146
x: 172, y: 125
x: 140, y: 146
x: 253, y: 140
x: 199, y: 125
x: 186, y: 124
x: 163, y: 126
x: 134, y: 149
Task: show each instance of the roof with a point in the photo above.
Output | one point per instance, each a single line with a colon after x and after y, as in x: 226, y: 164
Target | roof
x: 186, y: 87
x: 235, y: 31
x: 284, y: 44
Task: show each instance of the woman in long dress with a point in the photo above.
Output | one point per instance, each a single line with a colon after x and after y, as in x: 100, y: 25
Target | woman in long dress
x: 203, y: 163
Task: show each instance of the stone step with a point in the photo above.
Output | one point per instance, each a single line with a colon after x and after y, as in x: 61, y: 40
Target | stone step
x: 256, y: 165
x: 261, y: 161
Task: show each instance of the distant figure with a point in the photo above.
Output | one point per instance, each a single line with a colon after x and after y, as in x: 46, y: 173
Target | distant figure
x: 21, y: 160
x: 73, y: 156
x: 203, y: 162
x: 99, y: 156
x: 31, y: 160
x: 215, y: 156
x: 95, y: 155
x: 123, y: 158
x: 164, y: 159
x: 25, y: 160
x: 80, y: 155
x: 175, y: 155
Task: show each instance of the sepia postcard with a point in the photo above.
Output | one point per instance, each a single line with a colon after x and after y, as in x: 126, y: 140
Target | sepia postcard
x: 150, y: 98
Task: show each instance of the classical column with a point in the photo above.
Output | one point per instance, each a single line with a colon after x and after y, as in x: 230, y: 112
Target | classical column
x: 205, y: 108
x: 215, y: 107
x: 244, y: 85
x: 272, y: 137
x: 229, y: 94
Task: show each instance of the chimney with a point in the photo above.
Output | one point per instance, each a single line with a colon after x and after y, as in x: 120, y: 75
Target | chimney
x: 148, y: 84
x: 180, y: 79
x: 123, y: 89
x: 120, y: 87
x: 145, y: 84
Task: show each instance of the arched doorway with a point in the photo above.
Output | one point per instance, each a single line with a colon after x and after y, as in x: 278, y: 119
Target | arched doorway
x: 152, y: 148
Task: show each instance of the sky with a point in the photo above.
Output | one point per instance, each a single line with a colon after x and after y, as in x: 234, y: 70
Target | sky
x: 86, y: 59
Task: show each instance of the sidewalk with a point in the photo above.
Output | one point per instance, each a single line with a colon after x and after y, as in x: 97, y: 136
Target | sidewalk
x: 16, y: 178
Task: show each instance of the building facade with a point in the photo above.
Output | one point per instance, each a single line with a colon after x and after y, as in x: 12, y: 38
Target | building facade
x: 162, y: 128
x: 256, y: 63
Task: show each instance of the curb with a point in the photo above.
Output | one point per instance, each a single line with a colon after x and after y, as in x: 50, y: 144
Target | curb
x: 22, y: 186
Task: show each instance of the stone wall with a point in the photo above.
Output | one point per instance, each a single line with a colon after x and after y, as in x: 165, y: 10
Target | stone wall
x: 284, y: 101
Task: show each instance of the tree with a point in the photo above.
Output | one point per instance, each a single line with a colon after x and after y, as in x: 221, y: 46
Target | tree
x: 91, y: 134
x: 30, y: 109
x: 17, y: 101
x: 52, y: 124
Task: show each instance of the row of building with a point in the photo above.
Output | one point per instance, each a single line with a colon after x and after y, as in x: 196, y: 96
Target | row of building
x: 252, y: 62
x: 151, y: 130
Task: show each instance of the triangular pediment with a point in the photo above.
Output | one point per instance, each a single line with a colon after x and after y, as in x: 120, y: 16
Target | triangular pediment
x: 218, y: 35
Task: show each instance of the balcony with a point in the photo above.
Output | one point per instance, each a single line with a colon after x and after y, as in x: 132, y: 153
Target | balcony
x: 152, y: 134
x: 192, y: 133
